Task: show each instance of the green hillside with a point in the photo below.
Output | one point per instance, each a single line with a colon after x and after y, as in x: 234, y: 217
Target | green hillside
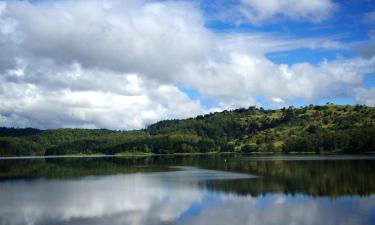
x: 320, y: 129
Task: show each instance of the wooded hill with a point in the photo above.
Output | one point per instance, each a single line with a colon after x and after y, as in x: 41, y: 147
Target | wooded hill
x: 320, y: 129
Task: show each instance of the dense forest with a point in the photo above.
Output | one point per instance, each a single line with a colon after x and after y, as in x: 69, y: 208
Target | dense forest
x: 321, y: 129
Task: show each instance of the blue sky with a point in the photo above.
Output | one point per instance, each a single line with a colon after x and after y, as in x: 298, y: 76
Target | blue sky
x: 348, y: 23
x: 126, y: 64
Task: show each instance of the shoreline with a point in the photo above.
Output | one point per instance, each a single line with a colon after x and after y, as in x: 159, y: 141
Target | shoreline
x: 256, y: 154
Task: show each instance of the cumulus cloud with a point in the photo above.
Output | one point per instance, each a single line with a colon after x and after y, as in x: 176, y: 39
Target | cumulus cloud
x: 365, y: 96
x: 119, y: 64
x: 63, y: 68
x: 93, y: 100
x: 259, y: 11
x: 122, y: 36
x: 242, y: 75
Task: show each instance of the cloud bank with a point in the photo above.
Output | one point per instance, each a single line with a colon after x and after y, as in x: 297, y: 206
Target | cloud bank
x: 121, y: 64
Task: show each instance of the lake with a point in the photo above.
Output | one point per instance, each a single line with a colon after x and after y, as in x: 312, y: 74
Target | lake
x: 203, y: 189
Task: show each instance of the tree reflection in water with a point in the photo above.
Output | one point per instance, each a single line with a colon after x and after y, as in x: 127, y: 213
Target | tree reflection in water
x: 172, y: 190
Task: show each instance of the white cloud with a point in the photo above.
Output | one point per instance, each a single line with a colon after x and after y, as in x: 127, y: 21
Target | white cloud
x: 107, y: 70
x: 365, y: 96
x: 241, y: 76
x: 179, y: 105
x: 278, y: 100
x: 258, y: 11
x: 119, y: 67
x: 131, y: 107
x: 123, y: 36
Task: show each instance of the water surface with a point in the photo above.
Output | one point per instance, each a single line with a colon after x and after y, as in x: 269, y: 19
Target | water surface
x: 188, y: 190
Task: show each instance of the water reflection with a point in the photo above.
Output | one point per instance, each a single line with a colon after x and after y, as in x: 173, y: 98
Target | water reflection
x: 131, y: 199
x: 155, y: 192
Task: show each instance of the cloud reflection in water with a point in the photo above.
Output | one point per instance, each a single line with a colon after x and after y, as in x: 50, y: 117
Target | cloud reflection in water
x: 176, y: 197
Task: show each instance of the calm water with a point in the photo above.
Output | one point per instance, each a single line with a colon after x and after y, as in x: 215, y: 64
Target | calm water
x: 188, y: 190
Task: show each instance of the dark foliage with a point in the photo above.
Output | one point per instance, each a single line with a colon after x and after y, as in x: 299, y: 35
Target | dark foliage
x: 18, y: 132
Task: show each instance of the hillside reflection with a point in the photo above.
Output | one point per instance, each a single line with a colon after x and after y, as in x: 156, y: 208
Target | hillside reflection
x: 185, y: 196
x: 332, y: 178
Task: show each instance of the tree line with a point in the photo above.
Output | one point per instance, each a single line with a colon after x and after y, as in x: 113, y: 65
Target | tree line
x: 319, y: 129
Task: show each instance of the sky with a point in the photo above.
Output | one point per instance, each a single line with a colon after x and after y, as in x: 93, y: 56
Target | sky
x: 126, y: 64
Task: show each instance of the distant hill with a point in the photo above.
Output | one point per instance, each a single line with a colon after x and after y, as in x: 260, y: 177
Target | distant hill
x: 320, y: 129
x: 15, y: 132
